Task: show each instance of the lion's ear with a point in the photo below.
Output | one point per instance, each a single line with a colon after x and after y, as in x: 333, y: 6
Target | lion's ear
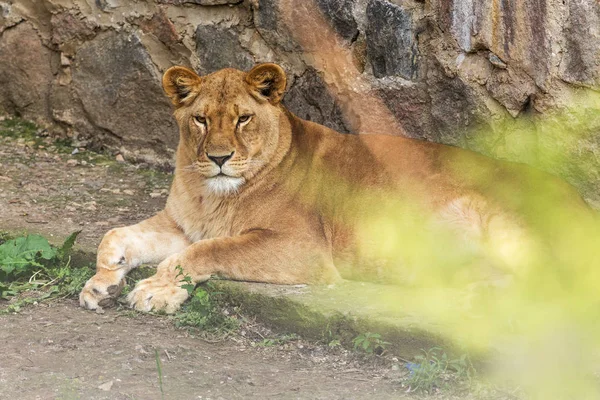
x: 179, y: 83
x: 268, y: 80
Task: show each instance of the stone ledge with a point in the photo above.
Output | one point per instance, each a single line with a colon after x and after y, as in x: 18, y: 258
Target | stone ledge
x: 342, y: 312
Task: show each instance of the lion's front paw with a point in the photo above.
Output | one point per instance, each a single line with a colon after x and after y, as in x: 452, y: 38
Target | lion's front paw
x: 101, y: 290
x: 157, y: 293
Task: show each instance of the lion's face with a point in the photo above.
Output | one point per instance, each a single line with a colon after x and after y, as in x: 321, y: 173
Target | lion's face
x: 229, y: 122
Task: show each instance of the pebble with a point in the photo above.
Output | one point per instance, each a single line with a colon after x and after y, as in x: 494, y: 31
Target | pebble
x: 120, y: 158
x: 496, y: 61
x: 106, y: 386
x: 64, y: 60
x: 141, y: 349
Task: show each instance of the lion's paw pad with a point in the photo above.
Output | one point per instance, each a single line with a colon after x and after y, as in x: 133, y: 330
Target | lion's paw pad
x: 99, y: 291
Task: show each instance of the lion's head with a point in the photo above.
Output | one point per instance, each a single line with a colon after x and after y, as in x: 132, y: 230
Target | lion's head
x: 228, y: 121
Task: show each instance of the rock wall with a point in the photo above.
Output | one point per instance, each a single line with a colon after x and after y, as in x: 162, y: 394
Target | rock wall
x: 496, y: 76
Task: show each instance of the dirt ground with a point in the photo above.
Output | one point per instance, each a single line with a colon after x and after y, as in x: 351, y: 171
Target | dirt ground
x: 44, y: 188
x: 60, y: 351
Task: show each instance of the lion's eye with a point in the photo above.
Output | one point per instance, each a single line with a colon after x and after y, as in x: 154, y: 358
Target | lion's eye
x: 200, y: 120
x: 243, y: 118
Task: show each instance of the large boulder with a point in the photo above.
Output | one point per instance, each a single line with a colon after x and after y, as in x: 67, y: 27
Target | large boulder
x: 339, y: 13
x: 25, y: 73
x: 391, y: 44
x: 120, y: 90
x: 309, y: 98
x: 581, y: 59
x: 218, y: 47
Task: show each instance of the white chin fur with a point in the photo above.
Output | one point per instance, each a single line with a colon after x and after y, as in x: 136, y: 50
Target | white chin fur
x: 224, y: 185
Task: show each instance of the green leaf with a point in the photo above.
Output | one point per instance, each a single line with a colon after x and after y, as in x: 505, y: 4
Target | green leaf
x: 67, y: 246
x: 189, y: 287
x: 36, y: 244
x: 7, y: 266
x: 21, y: 254
x: 10, y: 249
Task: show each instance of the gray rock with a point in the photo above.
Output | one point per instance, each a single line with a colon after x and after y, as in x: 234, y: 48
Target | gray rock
x: 453, y: 107
x: 25, y: 73
x: 310, y: 99
x: 271, y: 27
x: 581, y: 62
x: 203, y: 2
x: 524, y: 34
x: 120, y: 90
x: 161, y: 27
x: 496, y: 61
x: 215, y: 2
x: 391, y: 44
x: 7, y: 17
x: 67, y: 27
x: 511, y: 88
x: 219, y: 48
x: 339, y: 13
x: 107, y: 5
x: 412, y: 108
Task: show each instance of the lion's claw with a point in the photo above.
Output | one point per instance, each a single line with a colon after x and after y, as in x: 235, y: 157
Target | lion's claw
x: 100, y: 291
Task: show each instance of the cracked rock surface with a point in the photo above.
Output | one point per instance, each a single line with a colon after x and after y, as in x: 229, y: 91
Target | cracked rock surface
x: 447, y: 70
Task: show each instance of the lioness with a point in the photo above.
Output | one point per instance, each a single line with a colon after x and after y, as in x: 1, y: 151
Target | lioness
x: 262, y: 195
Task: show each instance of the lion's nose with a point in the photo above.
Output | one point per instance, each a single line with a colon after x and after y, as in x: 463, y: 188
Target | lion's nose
x: 219, y: 160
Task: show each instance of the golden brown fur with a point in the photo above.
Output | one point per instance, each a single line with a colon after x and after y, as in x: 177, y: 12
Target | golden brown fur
x: 288, y: 203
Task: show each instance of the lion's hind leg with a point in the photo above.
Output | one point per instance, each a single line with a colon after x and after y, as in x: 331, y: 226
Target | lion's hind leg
x: 499, y: 242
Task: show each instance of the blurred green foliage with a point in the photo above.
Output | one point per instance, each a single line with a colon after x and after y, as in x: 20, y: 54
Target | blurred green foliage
x: 513, y: 269
x: 528, y: 298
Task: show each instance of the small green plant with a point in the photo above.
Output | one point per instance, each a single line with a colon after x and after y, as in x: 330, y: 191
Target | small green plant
x: 434, y: 369
x: 268, y: 342
x: 203, y: 312
x: 370, y: 343
x: 31, y: 264
x: 16, y: 127
x: 276, y: 341
x: 186, y: 279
